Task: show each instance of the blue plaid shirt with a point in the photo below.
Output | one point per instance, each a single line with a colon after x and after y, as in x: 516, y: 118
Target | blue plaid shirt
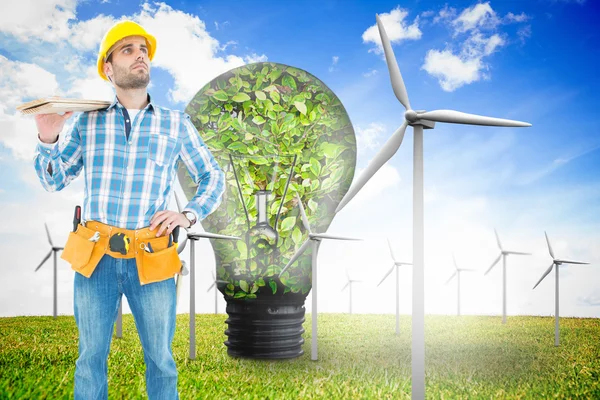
x: 130, y: 167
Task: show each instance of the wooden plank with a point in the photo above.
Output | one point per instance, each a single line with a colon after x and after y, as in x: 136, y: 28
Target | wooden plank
x: 53, y: 105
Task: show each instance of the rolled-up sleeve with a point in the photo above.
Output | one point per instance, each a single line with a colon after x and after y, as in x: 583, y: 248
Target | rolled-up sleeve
x: 203, y: 169
x: 58, y: 164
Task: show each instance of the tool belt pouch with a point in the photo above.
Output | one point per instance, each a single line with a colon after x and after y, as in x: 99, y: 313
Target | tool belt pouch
x: 83, y: 254
x: 163, y: 263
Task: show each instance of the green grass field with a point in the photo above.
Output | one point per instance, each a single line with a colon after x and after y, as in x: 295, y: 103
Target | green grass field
x: 360, y: 357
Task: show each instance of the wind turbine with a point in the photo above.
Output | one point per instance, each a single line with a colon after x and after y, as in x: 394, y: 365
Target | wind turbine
x: 418, y: 120
x: 457, y: 274
x: 315, y: 240
x: 54, y: 249
x: 193, y: 237
x: 214, y: 284
x: 397, y: 265
x: 349, y: 285
x: 503, y: 254
x: 557, y: 262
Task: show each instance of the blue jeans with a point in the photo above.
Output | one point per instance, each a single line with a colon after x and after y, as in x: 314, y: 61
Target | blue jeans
x: 97, y: 300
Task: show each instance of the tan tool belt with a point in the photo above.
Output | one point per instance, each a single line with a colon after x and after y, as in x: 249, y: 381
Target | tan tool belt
x: 90, y: 243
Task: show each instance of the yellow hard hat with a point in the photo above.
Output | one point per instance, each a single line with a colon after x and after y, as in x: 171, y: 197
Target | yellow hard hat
x: 119, y: 31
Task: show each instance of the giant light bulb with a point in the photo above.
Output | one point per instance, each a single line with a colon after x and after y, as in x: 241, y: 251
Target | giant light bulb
x: 277, y: 132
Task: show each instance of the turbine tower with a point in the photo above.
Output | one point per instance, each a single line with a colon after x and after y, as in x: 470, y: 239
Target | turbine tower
x: 457, y: 274
x: 214, y: 285
x: 53, y: 249
x: 419, y: 120
x: 315, y: 239
x: 349, y: 285
x: 557, y: 262
x: 503, y: 254
x: 193, y: 237
x: 397, y: 265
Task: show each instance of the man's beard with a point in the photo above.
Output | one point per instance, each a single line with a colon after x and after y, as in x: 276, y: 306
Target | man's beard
x: 130, y: 79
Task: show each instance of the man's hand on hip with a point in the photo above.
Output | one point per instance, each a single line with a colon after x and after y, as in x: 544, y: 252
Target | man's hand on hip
x: 168, y: 220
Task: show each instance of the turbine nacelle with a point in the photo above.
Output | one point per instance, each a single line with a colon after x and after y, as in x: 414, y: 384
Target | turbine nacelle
x: 555, y: 262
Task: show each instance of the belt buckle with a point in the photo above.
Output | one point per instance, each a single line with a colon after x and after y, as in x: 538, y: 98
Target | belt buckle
x: 119, y: 243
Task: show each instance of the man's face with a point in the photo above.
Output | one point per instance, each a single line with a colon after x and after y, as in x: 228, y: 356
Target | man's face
x: 129, y: 67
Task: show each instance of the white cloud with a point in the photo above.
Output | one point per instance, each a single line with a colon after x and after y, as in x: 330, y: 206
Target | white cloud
x: 532, y: 176
x: 524, y: 33
x: 367, y: 138
x: 396, y: 29
x: 222, y: 25
x: 384, y: 179
x: 87, y: 35
x: 334, y: 61
x: 445, y: 14
x: 186, y: 50
x: 510, y: 17
x: 458, y: 67
x: 232, y: 43
x: 370, y: 73
x: 24, y: 80
x: 31, y: 19
x: 477, y: 46
x: 254, y: 58
x: 20, y: 81
x: 91, y: 86
x: 452, y: 71
x: 480, y: 16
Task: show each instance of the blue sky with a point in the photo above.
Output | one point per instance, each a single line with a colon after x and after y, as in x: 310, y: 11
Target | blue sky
x: 535, y: 61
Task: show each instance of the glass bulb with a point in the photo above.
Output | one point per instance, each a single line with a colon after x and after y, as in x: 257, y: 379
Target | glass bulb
x: 276, y: 131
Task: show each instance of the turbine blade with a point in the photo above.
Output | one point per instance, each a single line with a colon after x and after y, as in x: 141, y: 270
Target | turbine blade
x: 517, y: 253
x: 48, y: 234
x: 303, y: 214
x: 387, y: 274
x: 498, y: 240
x: 549, y: 246
x: 545, y: 274
x: 211, y: 286
x: 395, y: 75
x: 457, y: 117
x: 44, y: 260
x: 391, y: 251
x: 328, y: 236
x: 494, y: 263
x: 345, y: 286
x: 387, y: 151
x: 449, y: 279
x: 571, y: 262
x: 183, y: 242
x: 208, y: 235
x: 454, y: 259
x: 298, y: 253
x: 179, y: 208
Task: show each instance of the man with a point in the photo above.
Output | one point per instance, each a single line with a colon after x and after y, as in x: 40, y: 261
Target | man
x: 129, y: 154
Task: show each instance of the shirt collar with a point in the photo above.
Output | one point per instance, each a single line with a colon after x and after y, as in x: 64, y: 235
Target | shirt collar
x: 117, y: 104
